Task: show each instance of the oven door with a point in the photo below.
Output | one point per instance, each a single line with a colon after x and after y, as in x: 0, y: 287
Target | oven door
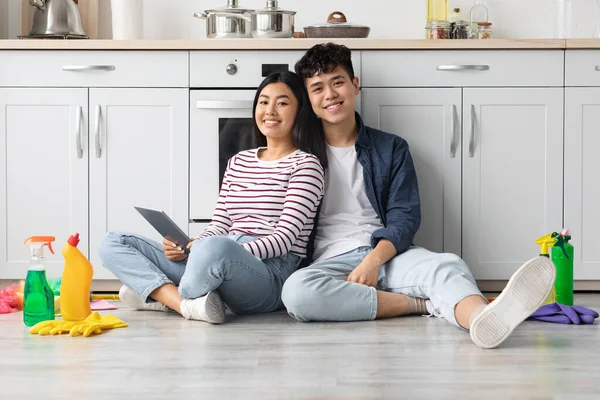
x: 220, y: 127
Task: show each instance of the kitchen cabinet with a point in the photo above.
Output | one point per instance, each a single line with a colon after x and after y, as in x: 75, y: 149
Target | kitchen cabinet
x: 489, y: 164
x: 135, y: 154
x: 138, y: 156
x: 44, y: 189
x: 582, y: 164
x: 430, y: 121
x: 512, y: 175
x: 96, y: 134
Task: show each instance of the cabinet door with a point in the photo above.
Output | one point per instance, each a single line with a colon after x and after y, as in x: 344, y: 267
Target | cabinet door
x: 582, y: 165
x: 44, y: 170
x: 512, y: 175
x: 138, y: 156
x: 429, y: 120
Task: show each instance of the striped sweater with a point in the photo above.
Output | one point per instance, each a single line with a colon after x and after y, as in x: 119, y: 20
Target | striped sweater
x: 275, y: 201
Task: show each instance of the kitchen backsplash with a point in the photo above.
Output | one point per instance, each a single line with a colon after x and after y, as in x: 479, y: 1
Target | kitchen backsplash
x: 399, y: 19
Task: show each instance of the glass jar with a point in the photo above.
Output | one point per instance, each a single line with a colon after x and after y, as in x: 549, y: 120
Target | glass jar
x: 484, y: 30
x: 437, y: 10
x: 438, y: 30
x: 461, y: 30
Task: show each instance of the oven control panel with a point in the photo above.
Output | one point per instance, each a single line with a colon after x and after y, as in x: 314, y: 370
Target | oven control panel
x: 243, y: 68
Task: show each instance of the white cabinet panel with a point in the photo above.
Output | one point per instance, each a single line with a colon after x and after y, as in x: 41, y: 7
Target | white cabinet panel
x: 44, y: 174
x: 141, y: 158
x: 582, y: 188
x: 456, y: 68
x: 430, y: 121
x: 582, y: 68
x: 94, y: 68
x: 512, y: 175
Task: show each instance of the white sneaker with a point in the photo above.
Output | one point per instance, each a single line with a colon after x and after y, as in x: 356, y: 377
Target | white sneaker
x: 525, y: 292
x: 209, y: 308
x: 131, y: 299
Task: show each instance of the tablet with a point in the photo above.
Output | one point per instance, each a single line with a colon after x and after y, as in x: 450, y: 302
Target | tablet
x: 165, y: 226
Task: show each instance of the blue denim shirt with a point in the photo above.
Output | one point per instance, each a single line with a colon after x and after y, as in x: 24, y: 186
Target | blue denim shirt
x: 391, y: 185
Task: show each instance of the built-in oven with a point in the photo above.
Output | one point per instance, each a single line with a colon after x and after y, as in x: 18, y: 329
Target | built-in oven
x: 223, y: 86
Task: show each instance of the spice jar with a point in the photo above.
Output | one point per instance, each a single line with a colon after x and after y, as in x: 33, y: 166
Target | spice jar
x: 438, y: 30
x: 484, y: 30
x: 461, y: 30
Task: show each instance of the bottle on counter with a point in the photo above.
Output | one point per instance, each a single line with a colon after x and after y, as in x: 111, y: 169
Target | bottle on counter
x: 437, y: 10
x: 479, y: 13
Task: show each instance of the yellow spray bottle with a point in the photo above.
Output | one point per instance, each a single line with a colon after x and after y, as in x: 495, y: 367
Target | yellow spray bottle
x: 76, y: 282
x: 545, y: 242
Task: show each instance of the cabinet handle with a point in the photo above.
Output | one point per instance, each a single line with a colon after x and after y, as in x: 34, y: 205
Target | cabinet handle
x: 597, y: 67
x: 472, y: 138
x: 453, y: 118
x: 463, y: 67
x: 78, y: 144
x: 79, y: 68
x: 97, y: 132
x: 220, y: 104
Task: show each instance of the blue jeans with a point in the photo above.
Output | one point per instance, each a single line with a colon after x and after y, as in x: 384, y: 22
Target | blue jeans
x: 246, y: 284
x: 320, y: 291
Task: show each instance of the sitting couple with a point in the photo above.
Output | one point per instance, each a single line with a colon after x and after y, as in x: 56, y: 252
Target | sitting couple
x: 330, y: 190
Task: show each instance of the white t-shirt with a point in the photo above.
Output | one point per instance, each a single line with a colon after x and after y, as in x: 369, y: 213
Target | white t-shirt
x: 346, y: 220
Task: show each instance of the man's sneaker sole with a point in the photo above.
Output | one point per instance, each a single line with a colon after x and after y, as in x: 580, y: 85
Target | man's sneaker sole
x: 525, y: 292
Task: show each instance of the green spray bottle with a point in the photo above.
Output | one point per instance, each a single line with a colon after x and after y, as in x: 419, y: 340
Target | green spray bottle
x: 38, y: 298
x: 562, y: 256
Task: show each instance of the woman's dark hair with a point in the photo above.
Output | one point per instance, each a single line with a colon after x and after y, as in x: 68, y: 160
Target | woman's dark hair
x: 307, y: 131
x: 324, y: 58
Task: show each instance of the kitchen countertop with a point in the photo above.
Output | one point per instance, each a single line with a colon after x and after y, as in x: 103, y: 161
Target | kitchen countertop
x: 290, y: 44
x: 300, y: 44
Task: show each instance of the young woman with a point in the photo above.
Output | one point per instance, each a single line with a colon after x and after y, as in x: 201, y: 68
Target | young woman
x: 260, y: 228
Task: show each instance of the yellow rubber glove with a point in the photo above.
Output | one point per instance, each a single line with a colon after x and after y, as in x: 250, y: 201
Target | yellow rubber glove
x: 96, y: 323
x: 53, y: 327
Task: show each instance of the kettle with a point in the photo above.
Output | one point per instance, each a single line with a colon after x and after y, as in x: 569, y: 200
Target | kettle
x: 56, y: 18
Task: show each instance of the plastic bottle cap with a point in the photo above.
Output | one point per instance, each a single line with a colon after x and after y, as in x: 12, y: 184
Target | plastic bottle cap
x: 73, y: 240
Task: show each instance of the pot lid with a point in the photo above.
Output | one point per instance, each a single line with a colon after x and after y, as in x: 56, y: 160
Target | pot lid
x: 272, y: 7
x: 337, y: 19
x: 232, y: 7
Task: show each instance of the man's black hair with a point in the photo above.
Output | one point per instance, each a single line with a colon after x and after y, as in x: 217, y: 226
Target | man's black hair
x: 324, y: 58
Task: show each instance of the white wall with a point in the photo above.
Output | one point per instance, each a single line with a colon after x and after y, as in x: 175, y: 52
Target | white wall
x: 404, y: 19
x: 3, y: 19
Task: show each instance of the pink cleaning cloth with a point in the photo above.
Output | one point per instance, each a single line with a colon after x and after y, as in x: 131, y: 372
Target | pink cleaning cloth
x: 98, y: 305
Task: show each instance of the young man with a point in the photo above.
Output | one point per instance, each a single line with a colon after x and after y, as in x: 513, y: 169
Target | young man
x: 365, y: 264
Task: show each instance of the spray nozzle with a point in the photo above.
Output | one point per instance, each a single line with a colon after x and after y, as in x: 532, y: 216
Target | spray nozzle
x: 551, y: 240
x: 37, y: 242
x: 545, y: 242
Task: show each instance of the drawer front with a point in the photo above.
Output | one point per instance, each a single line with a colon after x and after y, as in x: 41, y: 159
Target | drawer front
x: 451, y: 68
x: 94, y: 68
x: 582, y: 68
x: 243, y: 69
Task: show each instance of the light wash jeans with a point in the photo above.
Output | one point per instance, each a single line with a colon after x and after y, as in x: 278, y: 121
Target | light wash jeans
x: 246, y: 284
x: 320, y: 291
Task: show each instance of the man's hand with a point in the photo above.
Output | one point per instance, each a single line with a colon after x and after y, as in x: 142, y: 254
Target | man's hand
x: 174, y: 252
x: 366, y: 274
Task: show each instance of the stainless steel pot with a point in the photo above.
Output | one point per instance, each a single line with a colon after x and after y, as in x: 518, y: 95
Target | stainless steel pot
x: 231, y: 22
x: 272, y: 22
